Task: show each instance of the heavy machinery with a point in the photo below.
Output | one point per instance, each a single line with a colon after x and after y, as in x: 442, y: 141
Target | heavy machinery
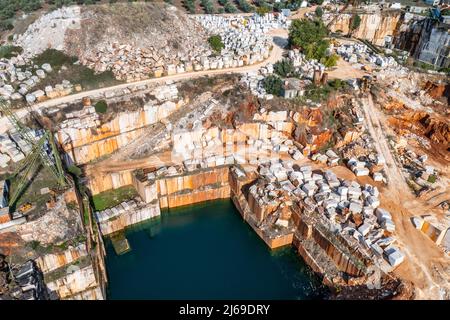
x: 43, y: 152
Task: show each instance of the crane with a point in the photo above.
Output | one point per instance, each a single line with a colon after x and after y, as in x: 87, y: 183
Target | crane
x: 43, y: 152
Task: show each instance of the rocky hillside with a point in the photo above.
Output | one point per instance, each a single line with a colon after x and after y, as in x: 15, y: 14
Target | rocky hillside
x: 131, y: 39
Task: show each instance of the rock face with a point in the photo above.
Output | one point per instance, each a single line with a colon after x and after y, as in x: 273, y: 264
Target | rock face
x: 74, y: 283
x: 423, y: 38
x: 85, y: 139
x: 374, y: 27
x: 51, y: 261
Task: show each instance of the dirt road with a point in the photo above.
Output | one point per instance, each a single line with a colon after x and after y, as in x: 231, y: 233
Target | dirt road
x: 279, y: 39
x: 425, y: 264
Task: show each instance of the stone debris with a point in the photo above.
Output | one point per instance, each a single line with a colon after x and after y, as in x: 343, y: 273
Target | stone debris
x: 17, y: 80
x: 14, y: 148
x: 347, y: 206
x: 421, y: 177
x: 21, y: 282
x: 50, y: 29
x: 361, y: 57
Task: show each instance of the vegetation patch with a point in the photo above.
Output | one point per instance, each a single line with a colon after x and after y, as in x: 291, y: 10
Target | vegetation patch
x: 216, y: 43
x: 309, y: 36
x: 65, y: 68
x: 10, y: 51
x: 101, y: 106
x: 273, y: 85
x: 112, y: 198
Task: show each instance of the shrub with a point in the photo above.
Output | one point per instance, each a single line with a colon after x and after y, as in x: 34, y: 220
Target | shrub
x: 330, y: 61
x: 9, y: 51
x: 283, y: 68
x: 190, y: 6
x: 207, y: 6
x: 245, y: 6
x: 230, y: 8
x: 263, y: 10
x: 355, y: 22
x: 101, y: 106
x: 273, y: 85
x: 432, y: 178
x: 216, y: 43
x: 73, y: 169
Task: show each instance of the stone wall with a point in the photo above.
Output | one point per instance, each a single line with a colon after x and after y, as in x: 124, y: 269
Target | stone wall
x: 374, y: 26
x: 84, y: 144
x: 73, y: 283
x: 130, y: 217
x: 51, y: 262
x: 164, y: 192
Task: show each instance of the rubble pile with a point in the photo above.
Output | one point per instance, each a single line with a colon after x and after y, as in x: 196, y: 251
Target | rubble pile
x: 421, y: 177
x: 362, y: 159
x: 131, y: 63
x: 303, y: 67
x: 253, y: 81
x: 21, y: 282
x: 352, y: 210
x: 17, y: 80
x: 363, y: 58
x: 243, y: 37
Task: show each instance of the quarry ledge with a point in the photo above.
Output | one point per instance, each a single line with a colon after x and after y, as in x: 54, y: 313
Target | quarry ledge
x: 333, y: 262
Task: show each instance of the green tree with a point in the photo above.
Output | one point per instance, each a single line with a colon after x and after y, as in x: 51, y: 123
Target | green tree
x: 304, y: 32
x: 273, y: 85
x: 101, y: 106
x: 216, y: 43
x: 283, y: 68
x: 355, y: 23
x: 318, y: 2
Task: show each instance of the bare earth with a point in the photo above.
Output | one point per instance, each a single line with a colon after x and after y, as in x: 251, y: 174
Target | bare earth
x: 425, y: 264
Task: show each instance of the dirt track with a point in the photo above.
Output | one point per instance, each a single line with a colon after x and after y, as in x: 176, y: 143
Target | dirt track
x: 425, y: 264
x: 279, y: 38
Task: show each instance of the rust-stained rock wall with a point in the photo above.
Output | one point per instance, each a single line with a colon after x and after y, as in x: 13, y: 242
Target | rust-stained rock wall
x: 182, y: 199
x: 197, y: 180
x: 107, y: 181
x: 51, y: 262
x: 90, y: 143
x: 341, y: 260
x: 193, y: 188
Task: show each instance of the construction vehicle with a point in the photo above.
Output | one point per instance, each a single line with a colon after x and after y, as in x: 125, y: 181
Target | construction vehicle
x: 43, y: 153
x: 25, y: 208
